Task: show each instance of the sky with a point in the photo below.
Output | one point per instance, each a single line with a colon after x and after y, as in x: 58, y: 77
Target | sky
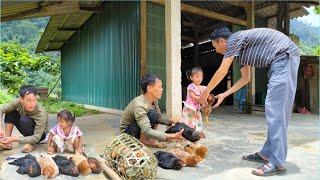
x: 312, y: 18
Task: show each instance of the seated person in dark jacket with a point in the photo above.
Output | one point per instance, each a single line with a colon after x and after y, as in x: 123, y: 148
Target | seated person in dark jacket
x: 142, y: 115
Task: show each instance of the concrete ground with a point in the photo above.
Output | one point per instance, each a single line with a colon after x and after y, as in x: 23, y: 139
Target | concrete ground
x: 230, y: 136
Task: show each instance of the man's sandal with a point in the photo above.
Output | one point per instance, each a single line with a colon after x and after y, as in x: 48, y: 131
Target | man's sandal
x: 254, y: 158
x: 268, y: 169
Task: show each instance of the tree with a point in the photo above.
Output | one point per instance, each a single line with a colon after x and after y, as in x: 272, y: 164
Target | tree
x: 316, y: 51
x: 14, y: 61
x: 317, y: 9
x: 18, y: 67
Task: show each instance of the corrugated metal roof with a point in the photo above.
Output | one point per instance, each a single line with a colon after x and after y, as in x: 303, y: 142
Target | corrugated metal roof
x: 73, y: 18
x: 67, y: 24
x: 14, y: 10
x: 265, y: 9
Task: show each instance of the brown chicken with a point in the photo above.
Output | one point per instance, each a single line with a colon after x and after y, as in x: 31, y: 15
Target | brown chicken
x: 48, y: 167
x: 82, y: 163
x: 188, y: 159
x: 197, y: 149
x: 208, y: 108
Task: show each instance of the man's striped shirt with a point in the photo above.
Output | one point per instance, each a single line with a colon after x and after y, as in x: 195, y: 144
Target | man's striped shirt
x: 260, y: 47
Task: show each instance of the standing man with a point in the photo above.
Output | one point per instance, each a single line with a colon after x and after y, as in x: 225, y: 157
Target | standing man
x: 262, y: 47
x: 28, y: 116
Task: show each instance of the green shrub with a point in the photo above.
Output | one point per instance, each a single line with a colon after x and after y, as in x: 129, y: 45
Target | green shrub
x: 5, y: 97
x: 54, y: 105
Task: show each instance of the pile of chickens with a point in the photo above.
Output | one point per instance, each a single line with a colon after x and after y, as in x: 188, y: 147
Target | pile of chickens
x: 51, y: 167
x: 178, y: 157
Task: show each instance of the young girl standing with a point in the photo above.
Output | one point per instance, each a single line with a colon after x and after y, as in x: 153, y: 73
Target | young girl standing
x: 191, y: 112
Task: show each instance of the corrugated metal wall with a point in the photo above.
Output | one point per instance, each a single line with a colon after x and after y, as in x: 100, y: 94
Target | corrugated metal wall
x: 156, y: 45
x: 100, y: 63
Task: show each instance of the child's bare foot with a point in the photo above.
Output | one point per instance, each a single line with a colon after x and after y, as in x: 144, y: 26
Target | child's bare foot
x: 207, y: 123
x: 27, y: 148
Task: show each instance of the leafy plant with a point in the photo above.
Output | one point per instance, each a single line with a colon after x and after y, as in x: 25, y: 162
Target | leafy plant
x: 19, y: 67
x: 19, y: 64
x: 317, y: 9
x: 5, y: 97
x: 54, y: 105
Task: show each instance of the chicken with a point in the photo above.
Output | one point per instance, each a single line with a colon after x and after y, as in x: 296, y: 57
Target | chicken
x: 208, y: 108
x: 167, y: 160
x: 48, y: 167
x: 82, y: 163
x: 66, y: 166
x: 27, y: 165
x: 188, y: 133
x: 188, y: 159
x: 94, y: 165
x: 197, y: 149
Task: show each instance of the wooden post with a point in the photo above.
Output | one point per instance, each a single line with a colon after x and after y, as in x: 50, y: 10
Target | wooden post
x: 196, y: 46
x: 143, y: 38
x: 251, y: 86
x: 283, y: 17
x: 173, y: 58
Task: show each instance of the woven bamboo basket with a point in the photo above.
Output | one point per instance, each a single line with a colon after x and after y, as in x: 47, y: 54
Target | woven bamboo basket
x: 130, y: 158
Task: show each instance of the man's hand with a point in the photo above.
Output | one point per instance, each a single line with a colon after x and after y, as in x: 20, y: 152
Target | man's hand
x: 203, y: 98
x: 177, y: 136
x: 220, y: 98
x: 8, y: 140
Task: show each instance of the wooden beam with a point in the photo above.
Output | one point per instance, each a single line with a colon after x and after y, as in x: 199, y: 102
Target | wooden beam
x: 250, y: 15
x: 92, y: 9
x: 192, y: 40
x: 98, y: 8
x: 264, y: 5
x: 188, y: 24
x: 187, y: 38
x: 49, y: 49
x: 143, y: 38
x: 292, y: 10
x: 206, y: 13
x: 188, y: 17
x: 283, y: 17
x: 58, y: 41
x: 50, y: 9
x: 68, y: 29
x: 236, y: 3
x: 210, y: 28
x: 196, y: 47
x: 159, y: 2
x: 213, y: 15
x: 286, y: 19
x: 251, y: 86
